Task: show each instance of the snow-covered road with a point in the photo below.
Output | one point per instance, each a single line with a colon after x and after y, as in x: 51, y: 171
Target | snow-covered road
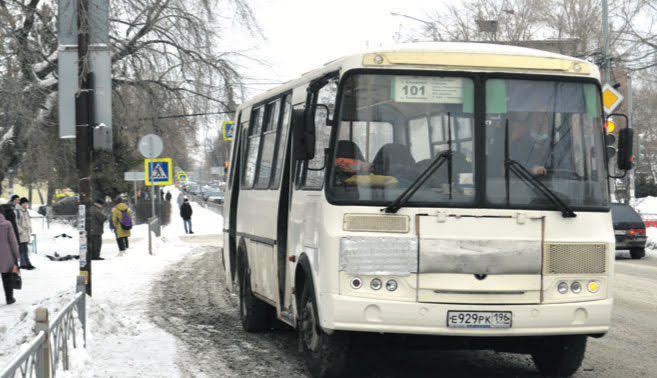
x: 169, y: 315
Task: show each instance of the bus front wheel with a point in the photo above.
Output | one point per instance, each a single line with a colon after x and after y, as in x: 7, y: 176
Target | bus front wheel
x: 560, y: 356
x: 325, y: 355
x: 253, y: 312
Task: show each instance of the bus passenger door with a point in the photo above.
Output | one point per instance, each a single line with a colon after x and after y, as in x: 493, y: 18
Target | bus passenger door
x: 230, y: 203
x: 307, y: 181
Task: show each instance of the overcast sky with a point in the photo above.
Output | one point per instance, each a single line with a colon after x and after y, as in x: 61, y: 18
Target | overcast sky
x: 305, y: 34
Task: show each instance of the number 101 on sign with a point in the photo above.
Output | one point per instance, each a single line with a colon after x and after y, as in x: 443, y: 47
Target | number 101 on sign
x: 437, y: 90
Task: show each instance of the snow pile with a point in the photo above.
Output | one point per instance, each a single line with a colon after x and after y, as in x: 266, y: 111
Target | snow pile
x: 121, y: 340
x: 645, y: 206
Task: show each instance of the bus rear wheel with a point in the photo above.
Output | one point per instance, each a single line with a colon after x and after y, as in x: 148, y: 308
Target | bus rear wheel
x: 253, y: 312
x: 325, y: 355
x: 560, y: 356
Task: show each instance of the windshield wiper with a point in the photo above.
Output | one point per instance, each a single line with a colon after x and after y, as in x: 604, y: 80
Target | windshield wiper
x: 400, y: 201
x: 438, y: 160
x: 527, y: 177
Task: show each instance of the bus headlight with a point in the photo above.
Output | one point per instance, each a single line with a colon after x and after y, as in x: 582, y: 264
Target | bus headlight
x: 562, y: 287
x: 593, y: 286
x: 391, y: 285
x: 376, y: 284
x: 372, y: 256
x: 356, y: 283
x: 576, y: 287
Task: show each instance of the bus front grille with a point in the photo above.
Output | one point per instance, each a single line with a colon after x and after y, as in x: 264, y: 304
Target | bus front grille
x: 376, y: 223
x: 575, y: 258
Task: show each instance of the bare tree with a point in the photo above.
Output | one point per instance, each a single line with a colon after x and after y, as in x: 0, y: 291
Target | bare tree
x: 167, y: 59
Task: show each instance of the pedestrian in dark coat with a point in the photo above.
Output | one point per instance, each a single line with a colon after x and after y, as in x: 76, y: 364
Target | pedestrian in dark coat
x: 10, y: 213
x: 186, y: 215
x: 168, y: 196
x: 8, y: 255
x: 95, y: 221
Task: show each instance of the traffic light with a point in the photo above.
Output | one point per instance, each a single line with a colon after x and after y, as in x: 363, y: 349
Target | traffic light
x: 610, y: 141
x: 610, y: 126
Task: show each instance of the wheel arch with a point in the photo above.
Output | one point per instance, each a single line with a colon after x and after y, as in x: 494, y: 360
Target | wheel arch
x: 302, y: 275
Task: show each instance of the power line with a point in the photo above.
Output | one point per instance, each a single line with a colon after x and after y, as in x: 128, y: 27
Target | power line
x: 183, y: 115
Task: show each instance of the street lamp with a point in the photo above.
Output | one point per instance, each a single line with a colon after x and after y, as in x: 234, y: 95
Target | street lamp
x: 431, y: 25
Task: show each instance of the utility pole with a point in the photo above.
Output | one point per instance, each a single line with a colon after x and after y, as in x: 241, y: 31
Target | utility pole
x: 630, y: 125
x: 607, y: 68
x: 84, y: 120
x: 605, y: 41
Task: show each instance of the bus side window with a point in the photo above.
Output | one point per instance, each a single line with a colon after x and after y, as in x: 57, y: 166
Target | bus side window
x: 313, y: 170
x: 235, y: 144
x: 268, y: 144
x: 253, y: 148
x: 282, y: 141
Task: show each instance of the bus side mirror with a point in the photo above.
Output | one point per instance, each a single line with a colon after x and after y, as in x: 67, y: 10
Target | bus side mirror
x: 625, y: 138
x: 303, y: 132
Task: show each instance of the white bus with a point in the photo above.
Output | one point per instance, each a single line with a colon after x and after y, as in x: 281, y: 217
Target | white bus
x: 444, y: 189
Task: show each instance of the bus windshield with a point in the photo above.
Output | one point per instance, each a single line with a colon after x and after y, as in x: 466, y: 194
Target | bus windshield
x: 391, y: 127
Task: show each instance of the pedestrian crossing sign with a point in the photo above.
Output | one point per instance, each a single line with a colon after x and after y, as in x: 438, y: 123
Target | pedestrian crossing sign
x: 228, y: 127
x: 158, y: 171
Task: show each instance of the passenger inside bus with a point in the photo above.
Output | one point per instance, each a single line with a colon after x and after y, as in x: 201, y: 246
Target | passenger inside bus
x: 349, y: 161
x: 394, y: 159
x: 535, y: 145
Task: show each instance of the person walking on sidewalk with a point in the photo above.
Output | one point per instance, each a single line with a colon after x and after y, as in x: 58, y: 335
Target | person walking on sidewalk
x: 11, y: 212
x: 111, y: 225
x: 186, y: 215
x: 181, y: 198
x: 8, y: 255
x: 122, y: 231
x: 24, y: 223
x: 95, y: 222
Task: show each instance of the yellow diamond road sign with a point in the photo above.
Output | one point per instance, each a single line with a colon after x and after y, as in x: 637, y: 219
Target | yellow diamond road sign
x: 611, y: 98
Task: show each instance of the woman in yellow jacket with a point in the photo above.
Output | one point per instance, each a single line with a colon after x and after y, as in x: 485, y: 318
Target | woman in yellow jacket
x: 122, y: 232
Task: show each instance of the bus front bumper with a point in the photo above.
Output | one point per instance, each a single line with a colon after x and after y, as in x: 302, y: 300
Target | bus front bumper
x: 347, y: 313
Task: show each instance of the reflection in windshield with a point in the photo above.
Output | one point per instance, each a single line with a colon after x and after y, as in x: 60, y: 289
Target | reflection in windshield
x: 391, y: 127
x: 554, y: 134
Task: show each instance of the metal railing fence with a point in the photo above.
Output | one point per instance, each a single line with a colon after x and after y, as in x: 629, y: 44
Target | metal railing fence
x: 50, y: 345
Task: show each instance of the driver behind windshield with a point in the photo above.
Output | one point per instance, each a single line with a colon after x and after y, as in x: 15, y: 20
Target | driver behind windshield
x: 534, y: 144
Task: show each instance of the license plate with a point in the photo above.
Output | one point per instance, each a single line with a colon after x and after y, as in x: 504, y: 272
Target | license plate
x: 479, y: 319
x: 620, y: 232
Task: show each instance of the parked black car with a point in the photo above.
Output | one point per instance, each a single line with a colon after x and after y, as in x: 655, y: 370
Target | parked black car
x: 629, y: 229
x: 65, y: 206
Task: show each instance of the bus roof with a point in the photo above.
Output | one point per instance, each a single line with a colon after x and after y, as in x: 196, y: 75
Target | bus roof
x: 448, y: 56
x: 473, y: 48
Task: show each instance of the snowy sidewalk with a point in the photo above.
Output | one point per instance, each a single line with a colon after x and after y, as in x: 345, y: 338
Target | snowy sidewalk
x: 122, y: 341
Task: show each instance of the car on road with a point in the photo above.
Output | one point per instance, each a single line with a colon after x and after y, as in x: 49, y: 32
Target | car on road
x: 629, y: 229
x: 214, y: 196
x: 194, y: 188
x: 65, y: 206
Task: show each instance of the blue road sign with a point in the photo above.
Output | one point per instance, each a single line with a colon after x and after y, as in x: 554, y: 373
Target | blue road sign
x: 159, y: 171
x: 228, y: 127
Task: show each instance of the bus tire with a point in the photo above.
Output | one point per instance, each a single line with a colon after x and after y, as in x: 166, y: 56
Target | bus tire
x: 325, y: 355
x: 253, y: 312
x: 560, y: 356
x: 637, y: 253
